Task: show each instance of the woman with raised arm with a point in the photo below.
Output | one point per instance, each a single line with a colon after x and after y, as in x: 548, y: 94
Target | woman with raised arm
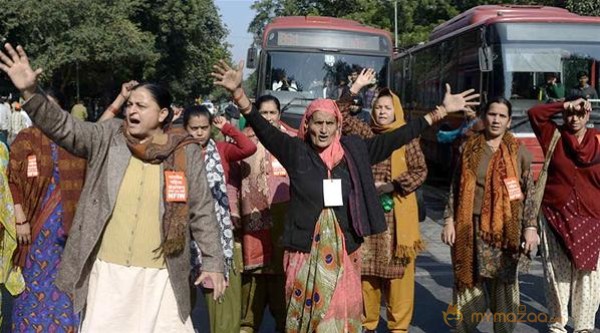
x: 333, y: 203
x: 570, y: 223
x: 127, y: 258
x: 388, y: 259
x: 115, y: 107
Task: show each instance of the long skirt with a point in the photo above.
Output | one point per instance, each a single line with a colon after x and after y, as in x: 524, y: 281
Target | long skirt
x: 131, y: 299
x: 42, y: 307
x: 323, y: 286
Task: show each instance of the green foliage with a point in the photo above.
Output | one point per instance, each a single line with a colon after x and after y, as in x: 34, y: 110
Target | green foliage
x: 584, y: 7
x: 173, y: 42
x: 190, y: 38
x: 250, y: 84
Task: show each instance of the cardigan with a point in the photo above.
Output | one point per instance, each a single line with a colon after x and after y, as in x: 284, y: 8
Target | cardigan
x: 565, y: 173
x: 105, y: 147
x: 361, y: 214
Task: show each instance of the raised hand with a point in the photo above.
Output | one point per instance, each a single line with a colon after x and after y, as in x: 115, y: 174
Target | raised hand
x: 459, y: 102
x: 126, y: 88
x: 578, y: 106
x: 219, y: 122
x: 16, y: 65
x: 366, y: 77
x: 228, y: 77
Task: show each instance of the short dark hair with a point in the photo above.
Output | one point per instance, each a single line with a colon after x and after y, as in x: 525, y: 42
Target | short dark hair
x: 267, y: 98
x: 581, y: 74
x: 499, y: 100
x: 196, y: 111
x: 162, y: 97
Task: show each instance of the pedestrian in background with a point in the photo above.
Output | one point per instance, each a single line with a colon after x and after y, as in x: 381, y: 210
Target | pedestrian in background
x: 19, y: 120
x: 79, y: 111
x: 5, y: 115
x: 570, y: 223
x: 333, y: 203
x: 583, y: 89
x: 487, y: 217
x: 388, y: 259
x: 45, y: 182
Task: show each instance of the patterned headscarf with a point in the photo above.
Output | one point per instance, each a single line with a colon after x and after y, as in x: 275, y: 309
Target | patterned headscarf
x: 334, y: 152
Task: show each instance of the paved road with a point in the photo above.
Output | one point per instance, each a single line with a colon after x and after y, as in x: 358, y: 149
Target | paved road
x: 434, y: 282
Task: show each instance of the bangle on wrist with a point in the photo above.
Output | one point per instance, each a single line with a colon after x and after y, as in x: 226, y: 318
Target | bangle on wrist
x: 530, y: 228
x: 113, y: 110
x: 237, y: 93
x: 21, y: 223
x: 247, y: 107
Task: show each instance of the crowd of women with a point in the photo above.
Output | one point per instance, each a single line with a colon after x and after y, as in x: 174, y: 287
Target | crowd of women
x: 110, y: 226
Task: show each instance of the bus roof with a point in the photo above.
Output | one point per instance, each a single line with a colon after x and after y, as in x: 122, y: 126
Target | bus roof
x: 489, y: 14
x: 321, y: 22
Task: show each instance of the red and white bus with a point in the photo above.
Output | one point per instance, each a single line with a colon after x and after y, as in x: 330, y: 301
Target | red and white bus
x: 307, y: 57
x: 499, y: 51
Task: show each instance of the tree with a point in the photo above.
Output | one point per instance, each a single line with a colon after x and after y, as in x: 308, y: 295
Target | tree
x: 92, y: 36
x: 190, y: 38
x: 584, y: 7
x: 173, y: 42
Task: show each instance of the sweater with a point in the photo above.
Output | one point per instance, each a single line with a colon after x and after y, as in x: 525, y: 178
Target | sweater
x: 566, y: 174
x: 230, y: 152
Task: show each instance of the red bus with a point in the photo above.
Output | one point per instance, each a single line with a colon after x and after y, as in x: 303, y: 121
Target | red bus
x: 501, y: 50
x: 308, y: 57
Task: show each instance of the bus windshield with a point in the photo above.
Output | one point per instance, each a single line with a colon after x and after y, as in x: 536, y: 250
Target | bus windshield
x: 545, y: 63
x: 310, y: 75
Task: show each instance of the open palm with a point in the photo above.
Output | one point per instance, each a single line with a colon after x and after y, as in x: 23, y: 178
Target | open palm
x: 16, y: 65
x: 228, y: 77
x: 460, y: 101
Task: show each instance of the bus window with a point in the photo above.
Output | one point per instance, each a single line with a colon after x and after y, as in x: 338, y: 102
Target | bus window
x: 309, y: 75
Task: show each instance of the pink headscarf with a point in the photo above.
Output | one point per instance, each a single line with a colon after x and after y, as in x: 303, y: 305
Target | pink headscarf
x: 334, y: 153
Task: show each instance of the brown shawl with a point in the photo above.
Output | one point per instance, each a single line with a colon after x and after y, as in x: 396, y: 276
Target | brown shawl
x: 500, y: 224
x: 30, y: 192
x: 168, y: 149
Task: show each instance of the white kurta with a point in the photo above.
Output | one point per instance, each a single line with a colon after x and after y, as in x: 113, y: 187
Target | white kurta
x: 131, y: 299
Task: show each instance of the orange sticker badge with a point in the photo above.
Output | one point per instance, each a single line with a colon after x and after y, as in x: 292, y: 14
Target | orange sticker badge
x: 514, y: 188
x: 32, y: 169
x: 176, y: 186
x: 278, y: 169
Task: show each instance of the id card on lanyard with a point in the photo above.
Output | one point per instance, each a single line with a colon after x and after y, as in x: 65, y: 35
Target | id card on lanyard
x: 332, y: 192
